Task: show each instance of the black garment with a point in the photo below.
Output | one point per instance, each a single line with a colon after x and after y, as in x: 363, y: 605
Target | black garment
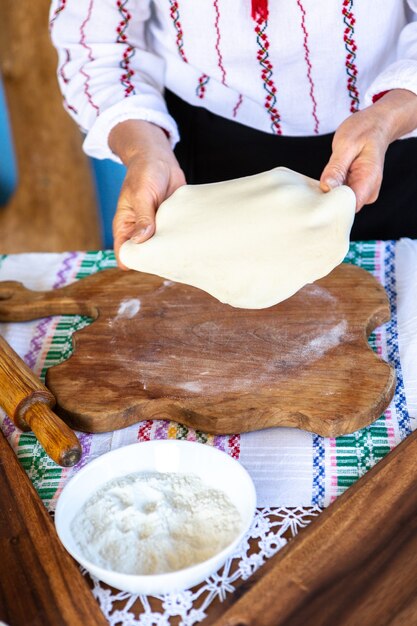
x: 213, y: 148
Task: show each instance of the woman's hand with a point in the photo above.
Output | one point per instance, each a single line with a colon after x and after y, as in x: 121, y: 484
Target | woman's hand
x: 153, y: 174
x: 360, y: 143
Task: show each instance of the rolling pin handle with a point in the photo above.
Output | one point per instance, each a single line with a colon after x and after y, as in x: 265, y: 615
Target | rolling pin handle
x: 58, y: 440
x: 29, y: 403
x: 43, y: 396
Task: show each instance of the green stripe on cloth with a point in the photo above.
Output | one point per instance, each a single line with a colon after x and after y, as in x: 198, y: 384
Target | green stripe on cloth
x: 95, y: 262
x: 362, y: 253
x: 42, y: 471
x: 182, y: 432
x: 201, y: 437
x: 61, y: 344
x: 358, y: 452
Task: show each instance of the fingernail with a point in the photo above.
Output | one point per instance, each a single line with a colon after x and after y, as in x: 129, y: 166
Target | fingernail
x: 331, y: 183
x: 138, y: 238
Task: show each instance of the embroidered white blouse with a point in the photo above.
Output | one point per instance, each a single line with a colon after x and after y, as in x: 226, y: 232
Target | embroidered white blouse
x: 293, y: 67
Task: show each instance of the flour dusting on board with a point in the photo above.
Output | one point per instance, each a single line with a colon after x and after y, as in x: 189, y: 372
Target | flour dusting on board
x: 318, y: 292
x: 318, y: 346
x: 196, y: 374
x: 128, y: 308
x: 192, y: 386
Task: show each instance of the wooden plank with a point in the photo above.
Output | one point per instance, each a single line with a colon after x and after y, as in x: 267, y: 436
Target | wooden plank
x: 159, y: 349
x: 54, y: 207
x: 355, y: 566
x: 40, y: 583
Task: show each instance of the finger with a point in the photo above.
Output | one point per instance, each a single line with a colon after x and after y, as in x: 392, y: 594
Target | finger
x: 144, y: 209
x: 123, y: 232
x: 336, y: 170
x: 123, y: 226
x: 133, y: 223
x: 365, y: 179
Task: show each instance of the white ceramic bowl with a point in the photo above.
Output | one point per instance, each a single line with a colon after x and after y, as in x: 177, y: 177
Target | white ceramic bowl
x: 214, y: 467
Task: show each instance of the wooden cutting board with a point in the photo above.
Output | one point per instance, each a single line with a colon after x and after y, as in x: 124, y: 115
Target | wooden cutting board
x: 164, y: 350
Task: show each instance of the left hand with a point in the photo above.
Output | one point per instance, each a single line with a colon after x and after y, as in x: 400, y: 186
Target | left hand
x: 361, y: 141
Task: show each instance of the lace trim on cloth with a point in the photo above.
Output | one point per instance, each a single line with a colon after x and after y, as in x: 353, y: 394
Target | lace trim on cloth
x: 270, y: 531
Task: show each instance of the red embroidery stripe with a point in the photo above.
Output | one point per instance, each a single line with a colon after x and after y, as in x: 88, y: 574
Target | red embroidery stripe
x: 267, y: 75
x: 234, y: 446
x: 90, y: 57
x: 65, y: 80
x: 58, y: 10
x: 219, y: 54
x: 309, y: 66
x: 144, y: 432
x: 129, y: 50
x: 201, y: 87
x: 350, y: 45
x: 70, y: 107
x: 63, y: 66
x: 260, y: 9
x: 237, y: 105
x: 175, y: 16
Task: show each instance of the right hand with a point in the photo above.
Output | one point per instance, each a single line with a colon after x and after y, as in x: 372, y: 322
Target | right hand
x: 153, y: 174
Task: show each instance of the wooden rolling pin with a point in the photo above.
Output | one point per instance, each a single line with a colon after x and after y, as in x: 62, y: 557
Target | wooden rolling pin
x: 29, y: 404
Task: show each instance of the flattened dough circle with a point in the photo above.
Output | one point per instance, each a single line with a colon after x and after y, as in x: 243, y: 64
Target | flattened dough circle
x: 250, y: 242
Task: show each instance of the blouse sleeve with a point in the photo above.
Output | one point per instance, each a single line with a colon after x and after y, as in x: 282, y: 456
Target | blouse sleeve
x: 105, y: 72
x: 402, y: 73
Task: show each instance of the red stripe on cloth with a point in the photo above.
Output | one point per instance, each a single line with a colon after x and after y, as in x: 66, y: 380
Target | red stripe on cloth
x: 61, y: 6
x: 260, y: 9
x: 70, y: 107
x: 267, y: 75
x: 309, y: 66
x: 144, y: 432
x: 65, y: 80
x: 62, y: 67
x: 219, y: 54
x: 175, y: 17
x: 129, y: 50
x: 202, y: 84
x: 351, y: 48
x: 237, y: 105
x: 89, y: 56
x: 234, y: 446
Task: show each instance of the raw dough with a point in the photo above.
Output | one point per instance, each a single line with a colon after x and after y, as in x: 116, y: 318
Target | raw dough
x: 250, y: 242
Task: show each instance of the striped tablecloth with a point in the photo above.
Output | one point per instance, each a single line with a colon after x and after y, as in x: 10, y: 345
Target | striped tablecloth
x: 289, y: 467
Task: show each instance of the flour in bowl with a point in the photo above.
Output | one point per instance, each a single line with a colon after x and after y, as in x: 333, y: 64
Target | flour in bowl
x: 154, y: 523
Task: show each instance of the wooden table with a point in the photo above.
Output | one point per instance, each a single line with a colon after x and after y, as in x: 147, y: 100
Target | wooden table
x: 353, y: 565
